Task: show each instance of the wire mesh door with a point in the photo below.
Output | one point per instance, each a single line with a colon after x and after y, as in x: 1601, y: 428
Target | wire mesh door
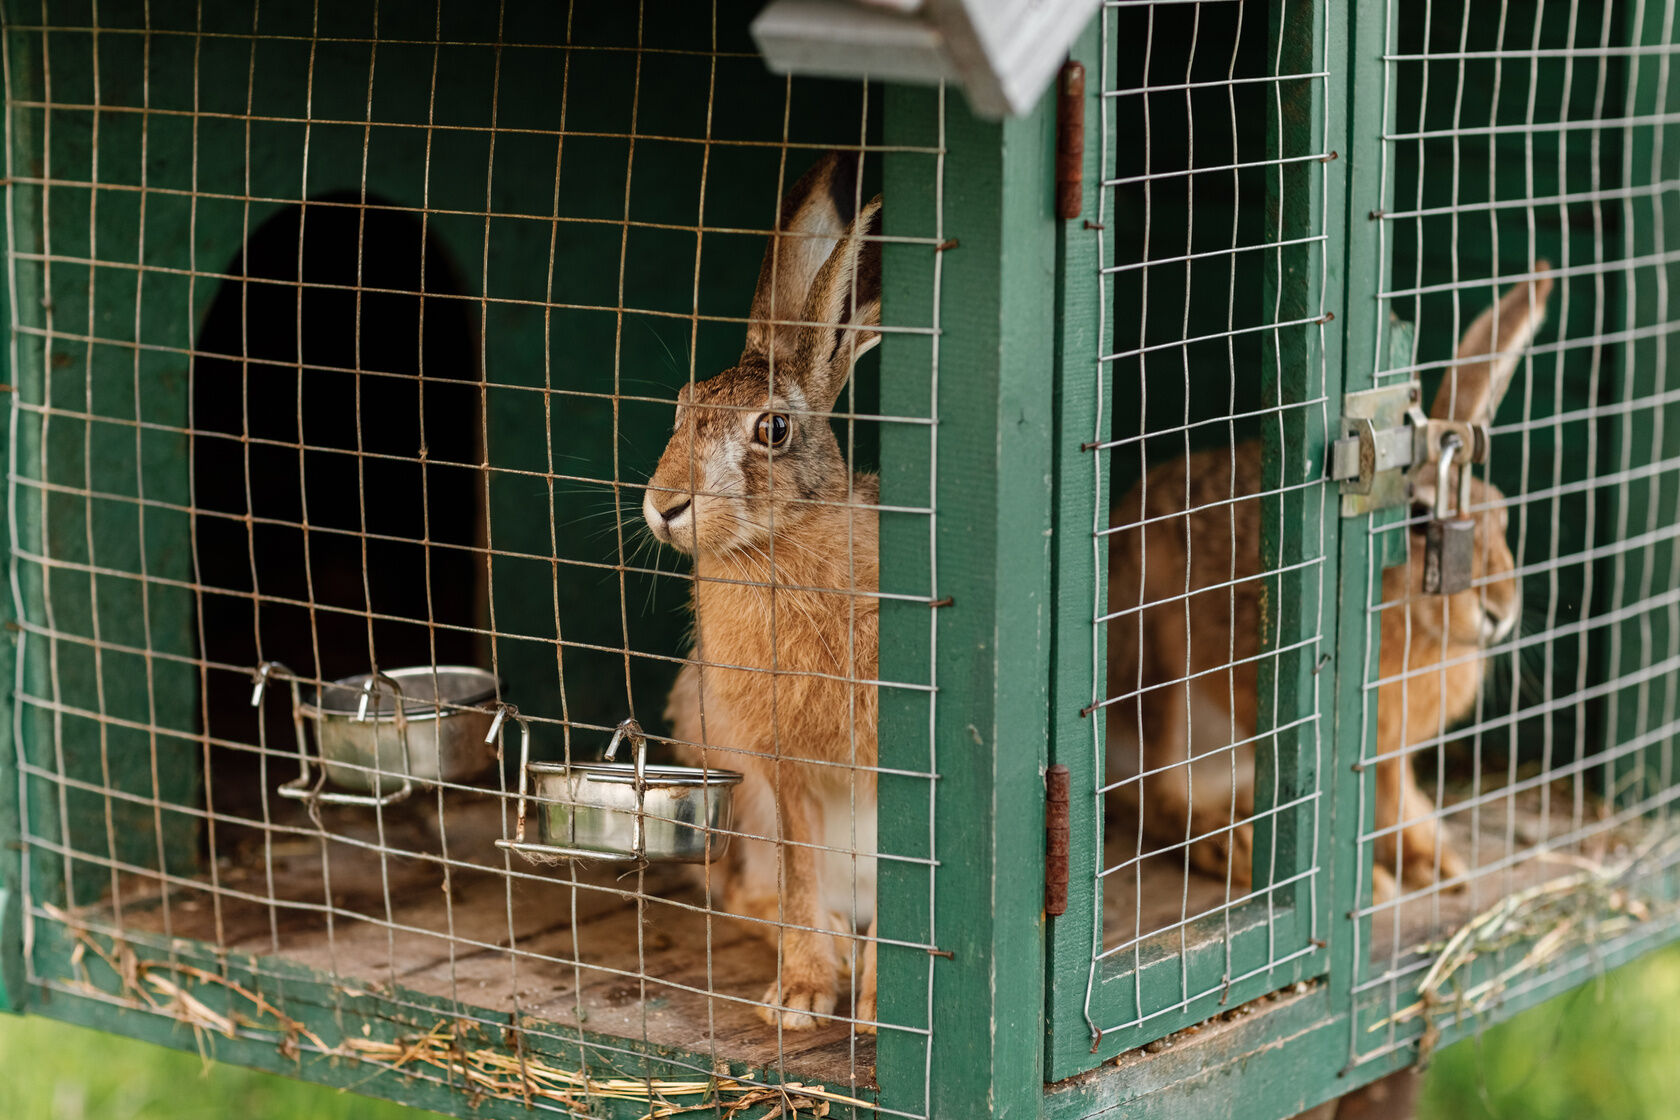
x: 1517, y: 767
x: 346, y: 340
x: 1200, y: 383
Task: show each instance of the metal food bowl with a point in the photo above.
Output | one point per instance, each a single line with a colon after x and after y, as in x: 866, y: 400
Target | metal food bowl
x: 624, y: 812
x: 382, y: 734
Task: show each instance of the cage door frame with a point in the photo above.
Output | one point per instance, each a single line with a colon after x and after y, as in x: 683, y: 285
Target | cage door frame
x: 1278, y: 935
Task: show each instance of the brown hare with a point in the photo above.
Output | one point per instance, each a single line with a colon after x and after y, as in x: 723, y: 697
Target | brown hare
x: 783, y: 537
x: 1184, y: 590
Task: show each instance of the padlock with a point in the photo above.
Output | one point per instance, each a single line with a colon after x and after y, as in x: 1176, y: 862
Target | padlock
x: 1450, y: 542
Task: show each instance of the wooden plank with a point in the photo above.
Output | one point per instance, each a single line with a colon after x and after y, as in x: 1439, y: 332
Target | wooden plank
x: 641, y: 973
x: 1360, y: 39
x: 1305, y: 200
x: 1084, y: 408
x: 991, y: 488
x: 1298, y: 365
x: 659, y: 1017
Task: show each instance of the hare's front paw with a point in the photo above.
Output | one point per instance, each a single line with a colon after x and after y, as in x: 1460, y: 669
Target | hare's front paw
x: 796, y: 1006
x: 810, y: 983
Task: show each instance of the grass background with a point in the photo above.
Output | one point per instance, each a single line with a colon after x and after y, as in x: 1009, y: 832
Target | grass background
x: 1607, y: 1051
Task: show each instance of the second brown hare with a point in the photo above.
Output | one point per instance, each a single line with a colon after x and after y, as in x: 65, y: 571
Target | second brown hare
x: 783, y: 537
x: 1185, y: 599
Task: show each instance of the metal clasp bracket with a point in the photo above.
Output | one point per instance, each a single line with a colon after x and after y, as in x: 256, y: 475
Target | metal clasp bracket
x: 1385, y: 440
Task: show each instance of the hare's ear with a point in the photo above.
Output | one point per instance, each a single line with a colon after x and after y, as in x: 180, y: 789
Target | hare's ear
x: 815, y: 215
x: 843, y: 314
x: 1489, y: 351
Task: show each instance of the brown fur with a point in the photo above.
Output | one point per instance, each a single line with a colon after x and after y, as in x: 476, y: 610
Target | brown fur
x: 786, y: 626
x: 1190, y: 587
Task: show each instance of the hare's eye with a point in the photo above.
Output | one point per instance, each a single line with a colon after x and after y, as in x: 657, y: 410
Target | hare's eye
x: 772, y: 429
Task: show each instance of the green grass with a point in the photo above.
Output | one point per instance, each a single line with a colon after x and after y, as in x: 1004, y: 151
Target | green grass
x: 59, y: 1072
x: 1609, y: 1050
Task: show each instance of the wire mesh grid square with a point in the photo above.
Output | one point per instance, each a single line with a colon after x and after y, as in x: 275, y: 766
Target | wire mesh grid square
x: 1197, y: 874
x: 1525, y: 146
x: 349, y: 341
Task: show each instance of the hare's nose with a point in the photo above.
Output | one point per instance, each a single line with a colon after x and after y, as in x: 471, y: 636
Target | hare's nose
x: 676, y: 511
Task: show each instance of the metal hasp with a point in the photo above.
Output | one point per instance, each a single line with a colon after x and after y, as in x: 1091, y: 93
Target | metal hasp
x: 1385, y: 437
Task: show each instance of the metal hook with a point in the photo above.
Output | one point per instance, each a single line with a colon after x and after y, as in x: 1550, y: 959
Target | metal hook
x: 1450, y: 447
x: 306, y: 788
x: 260, y: 675
x: 638, y: 741
x: 522, y: 813
x: 633, y: 731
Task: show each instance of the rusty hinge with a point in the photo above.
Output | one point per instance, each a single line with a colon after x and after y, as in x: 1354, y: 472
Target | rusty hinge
x: 1056, y: 840
x: 1070, y: 141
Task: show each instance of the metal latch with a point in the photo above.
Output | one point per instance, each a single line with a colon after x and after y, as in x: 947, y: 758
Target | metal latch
x: 1385, y: 435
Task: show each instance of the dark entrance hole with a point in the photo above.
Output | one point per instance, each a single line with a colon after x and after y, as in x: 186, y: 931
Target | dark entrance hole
x: 335, y: 388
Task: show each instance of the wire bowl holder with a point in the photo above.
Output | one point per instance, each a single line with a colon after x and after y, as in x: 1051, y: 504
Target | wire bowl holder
x: 426, y: 741
x: 621, y: 812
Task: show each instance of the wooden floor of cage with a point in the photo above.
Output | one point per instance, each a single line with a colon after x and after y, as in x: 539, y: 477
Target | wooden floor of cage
x: 1511, y: 841
x: 652, y: 979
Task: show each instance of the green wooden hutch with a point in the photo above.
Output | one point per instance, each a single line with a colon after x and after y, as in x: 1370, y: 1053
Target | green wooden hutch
x: 345, y: 334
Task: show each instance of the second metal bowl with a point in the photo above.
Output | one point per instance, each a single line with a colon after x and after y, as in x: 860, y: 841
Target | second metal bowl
x: 605, y: 810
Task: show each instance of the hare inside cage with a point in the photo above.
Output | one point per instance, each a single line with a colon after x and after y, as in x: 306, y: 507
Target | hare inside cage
x: 783, y: 534
x: 1185, y: 592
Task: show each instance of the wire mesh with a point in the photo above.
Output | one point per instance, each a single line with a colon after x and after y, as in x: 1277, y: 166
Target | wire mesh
x: 346, y: 338
x: 1207, y: 880
x: 1526, y: 151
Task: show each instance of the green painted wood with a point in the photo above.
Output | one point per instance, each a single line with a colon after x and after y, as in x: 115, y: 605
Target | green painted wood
x: 98, y: 706
x: 1247, y: 1074
x: 1278, y: 1060
x: 1300, y: 527
x: 906, y: 901
x: 992, y: 492
x: 1363, y: 37
x: 1084, y: 336
x: 1148, y: 991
